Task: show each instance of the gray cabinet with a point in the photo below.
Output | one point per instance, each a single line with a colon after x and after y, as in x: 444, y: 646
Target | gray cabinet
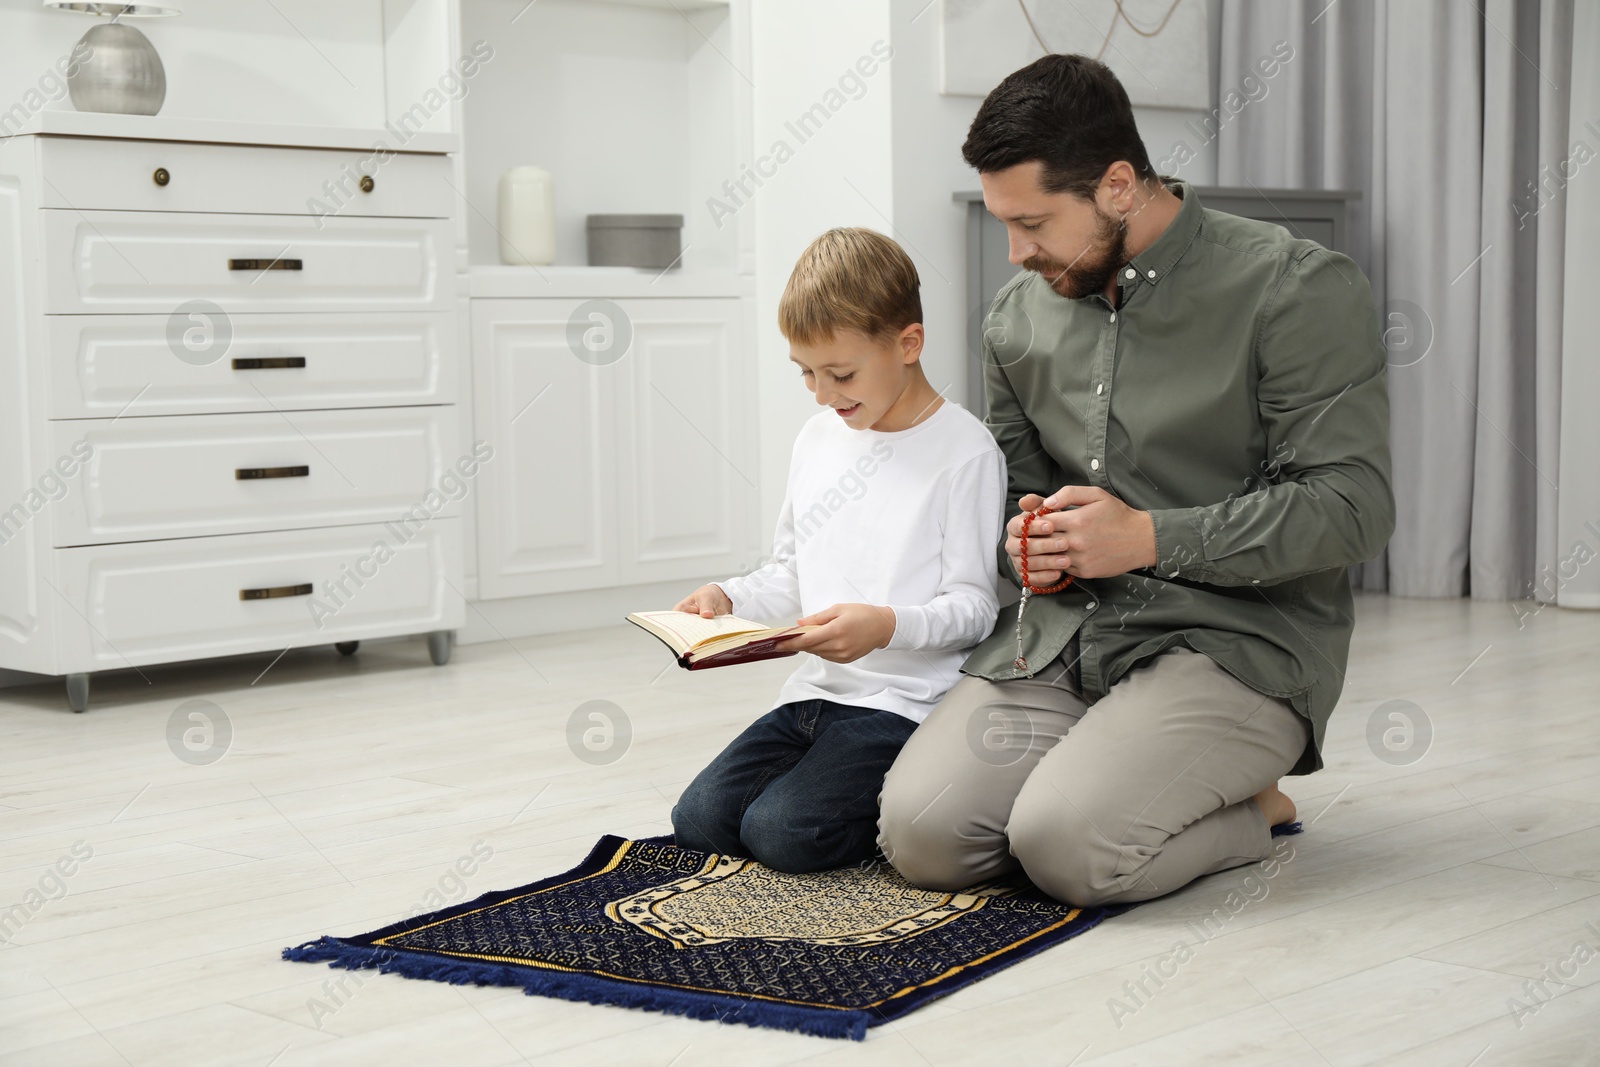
x: 1316, y: 214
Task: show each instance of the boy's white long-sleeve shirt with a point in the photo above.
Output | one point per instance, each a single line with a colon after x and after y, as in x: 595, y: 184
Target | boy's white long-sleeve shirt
x: 906, y: 519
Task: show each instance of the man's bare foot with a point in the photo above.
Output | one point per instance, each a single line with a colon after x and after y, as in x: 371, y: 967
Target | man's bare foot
x: 1277, y: 807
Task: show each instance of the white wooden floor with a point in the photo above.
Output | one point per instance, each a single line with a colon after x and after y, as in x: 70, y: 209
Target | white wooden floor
x: 1422, y: 904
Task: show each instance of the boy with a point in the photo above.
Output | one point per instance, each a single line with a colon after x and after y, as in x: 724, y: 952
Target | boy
x: 885, y: 540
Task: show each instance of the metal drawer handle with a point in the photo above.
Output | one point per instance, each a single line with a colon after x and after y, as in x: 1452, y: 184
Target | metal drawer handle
x: 269, y: 363
x: 265, y: 264
x: 161, y: 177
x: 244, y: 474
x: 273, y: 592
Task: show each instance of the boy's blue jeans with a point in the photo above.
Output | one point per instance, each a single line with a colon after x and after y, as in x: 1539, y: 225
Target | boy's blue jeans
x: 797, y: 790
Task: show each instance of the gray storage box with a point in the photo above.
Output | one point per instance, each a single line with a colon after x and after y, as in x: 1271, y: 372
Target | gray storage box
x: 634, y: 240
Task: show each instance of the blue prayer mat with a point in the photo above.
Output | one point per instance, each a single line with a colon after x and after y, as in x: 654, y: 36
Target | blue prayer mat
x: 646, y: 924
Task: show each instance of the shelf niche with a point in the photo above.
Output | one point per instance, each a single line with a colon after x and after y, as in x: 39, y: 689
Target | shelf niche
x: 630, y: 106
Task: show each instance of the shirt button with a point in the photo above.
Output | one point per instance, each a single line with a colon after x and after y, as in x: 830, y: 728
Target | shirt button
x: 1099, y: 388
x: 1094, y: 464
x: 1152, y: 274
x: 1113, y: 316
x: 1130, y: 273
x: 1091, y: 605
x: 1255, y: 581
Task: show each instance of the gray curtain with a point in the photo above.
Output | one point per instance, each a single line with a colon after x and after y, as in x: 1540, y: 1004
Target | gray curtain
x: 1460, y: 126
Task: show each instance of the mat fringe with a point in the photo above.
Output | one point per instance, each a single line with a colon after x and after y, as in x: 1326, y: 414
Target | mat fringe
x: 588, y: 988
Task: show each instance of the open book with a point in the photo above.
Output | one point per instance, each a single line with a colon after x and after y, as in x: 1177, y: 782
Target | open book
x: 699, y: 643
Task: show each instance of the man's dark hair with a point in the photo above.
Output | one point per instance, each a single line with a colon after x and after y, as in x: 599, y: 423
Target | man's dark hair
x: 1070, y: 113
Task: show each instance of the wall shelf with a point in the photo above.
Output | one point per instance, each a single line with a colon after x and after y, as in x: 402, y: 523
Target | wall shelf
x: 615, y: 283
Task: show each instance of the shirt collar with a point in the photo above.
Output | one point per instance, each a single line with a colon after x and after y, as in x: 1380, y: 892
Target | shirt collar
x: 1154, y: 263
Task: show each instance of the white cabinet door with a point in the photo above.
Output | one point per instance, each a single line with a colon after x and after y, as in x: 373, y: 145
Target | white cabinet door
x: 547, y: 508
x: 611, y: 469
x: 688, y: 464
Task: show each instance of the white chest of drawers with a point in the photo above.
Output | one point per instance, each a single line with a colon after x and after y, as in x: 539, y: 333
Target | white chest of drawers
x: 228, y: 415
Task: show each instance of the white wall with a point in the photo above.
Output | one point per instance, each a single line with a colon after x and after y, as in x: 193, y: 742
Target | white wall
x: 928, y: 168
x: 842, y: 175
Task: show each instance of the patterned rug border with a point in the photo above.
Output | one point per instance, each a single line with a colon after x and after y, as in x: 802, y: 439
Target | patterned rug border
x: 361, y: 952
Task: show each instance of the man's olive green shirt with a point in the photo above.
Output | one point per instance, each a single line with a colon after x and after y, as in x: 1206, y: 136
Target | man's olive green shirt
x: 1236, y: 392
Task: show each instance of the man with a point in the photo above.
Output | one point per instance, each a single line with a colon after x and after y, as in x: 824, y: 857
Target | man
x: 1199, y: 401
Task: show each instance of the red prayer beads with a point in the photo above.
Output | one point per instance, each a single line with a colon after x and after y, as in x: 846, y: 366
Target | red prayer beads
x: 1066, y: 579
x: 1028, y: 588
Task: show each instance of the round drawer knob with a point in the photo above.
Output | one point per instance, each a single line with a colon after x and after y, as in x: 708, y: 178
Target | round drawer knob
x: 161, y: 176
x: 367, y: 183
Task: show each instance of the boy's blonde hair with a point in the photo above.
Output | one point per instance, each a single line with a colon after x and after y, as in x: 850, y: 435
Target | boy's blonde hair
x: 850, y: 278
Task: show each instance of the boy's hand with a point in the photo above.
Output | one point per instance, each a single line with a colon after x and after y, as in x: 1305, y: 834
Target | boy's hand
x: 707, y: 602
x: 1099, y: 537
x: 848, y: 632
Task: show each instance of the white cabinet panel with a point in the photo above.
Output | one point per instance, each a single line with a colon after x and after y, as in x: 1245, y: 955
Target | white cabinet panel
x: 192, y: 475
x: 611, y: 472
x: 132, y: 261
x: 110, y: 365
x: 156, y: 601
x: 689, y: 470
x: 547, y: 515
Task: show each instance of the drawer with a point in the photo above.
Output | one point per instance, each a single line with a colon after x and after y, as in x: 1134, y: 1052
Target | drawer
x: 199, y: 364
x: 160, y: 262
x: 193, y: 475
x: 169, y: 600
x: 90, y: 173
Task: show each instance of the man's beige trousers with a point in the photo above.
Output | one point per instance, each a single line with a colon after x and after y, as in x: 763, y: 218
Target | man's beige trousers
x: 1121, y: 800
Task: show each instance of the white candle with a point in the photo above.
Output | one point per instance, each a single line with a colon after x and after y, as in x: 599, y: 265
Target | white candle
x: 527, y: 217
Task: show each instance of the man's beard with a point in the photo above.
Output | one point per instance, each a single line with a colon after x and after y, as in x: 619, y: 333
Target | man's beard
x: 1094, y: 267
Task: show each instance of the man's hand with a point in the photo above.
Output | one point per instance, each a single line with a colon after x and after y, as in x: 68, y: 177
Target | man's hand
x: 707, y: 602
x: 1099, y: 537
x: 848, y: 632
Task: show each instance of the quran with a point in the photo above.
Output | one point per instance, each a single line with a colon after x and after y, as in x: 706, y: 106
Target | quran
x: 727, y: 639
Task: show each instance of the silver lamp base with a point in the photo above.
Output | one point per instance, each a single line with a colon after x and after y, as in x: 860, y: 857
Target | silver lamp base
x: 123, y: 74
